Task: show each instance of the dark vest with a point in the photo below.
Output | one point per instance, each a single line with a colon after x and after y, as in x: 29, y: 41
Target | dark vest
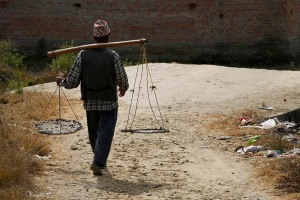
x: 98, y: 79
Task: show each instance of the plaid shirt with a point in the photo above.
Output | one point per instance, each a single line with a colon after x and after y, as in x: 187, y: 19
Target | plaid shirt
x: 74, y: 77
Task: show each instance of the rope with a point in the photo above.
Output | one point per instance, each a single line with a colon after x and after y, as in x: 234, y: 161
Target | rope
x: 153, y: 89
x: 136, y: 74
x: 48, y: 104
x: 69, y: 104
x: 143, y: 62
x: 59, y: 103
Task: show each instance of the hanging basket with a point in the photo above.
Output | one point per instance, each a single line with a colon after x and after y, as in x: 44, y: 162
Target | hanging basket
x: 58, y: 126
x: 143, y: 69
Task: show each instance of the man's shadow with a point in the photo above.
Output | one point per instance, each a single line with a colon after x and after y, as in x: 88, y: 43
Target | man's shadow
x: 108, y: 183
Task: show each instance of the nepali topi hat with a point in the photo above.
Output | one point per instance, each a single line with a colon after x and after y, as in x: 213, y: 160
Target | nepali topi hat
x: 101, y: 29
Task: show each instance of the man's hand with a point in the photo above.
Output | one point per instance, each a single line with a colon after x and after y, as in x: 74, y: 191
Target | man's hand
x: 121, y: 92
x: 59, y: 80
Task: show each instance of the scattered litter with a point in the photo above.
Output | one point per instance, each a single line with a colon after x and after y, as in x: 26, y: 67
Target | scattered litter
x: 271, y: 154
x: 74, y: 147
x: 244, y: 121
x: 253, y: 139
x: 43, y: 157
x: 291, y: 138
x: 288, y: 125
x: 295, y: 151
x: 285, y: 126
x: 266, y: 107
x: 251, y: 148
x: 224, y: 138
x: 270, y: 123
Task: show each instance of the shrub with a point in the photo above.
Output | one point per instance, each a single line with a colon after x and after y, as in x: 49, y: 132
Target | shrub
x: 9, y: 55
x: 64, y: 62
x: 128, y: 62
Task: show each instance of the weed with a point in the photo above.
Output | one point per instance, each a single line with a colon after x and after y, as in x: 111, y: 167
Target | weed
x: 17, y: 86
x: 9, y: 55
x: 41, y: 49
x: 274, y: 142
x: 128, y: 62
x: 64, y: 62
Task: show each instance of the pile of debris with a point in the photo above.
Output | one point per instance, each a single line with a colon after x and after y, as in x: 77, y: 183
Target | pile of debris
x: 285, y: 126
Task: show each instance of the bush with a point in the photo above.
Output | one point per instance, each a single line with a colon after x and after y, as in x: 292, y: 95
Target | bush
x: 63, y: 63
x: 9, y: 55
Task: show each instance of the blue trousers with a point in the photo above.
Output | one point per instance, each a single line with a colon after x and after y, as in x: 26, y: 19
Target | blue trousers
x: 101, y: 128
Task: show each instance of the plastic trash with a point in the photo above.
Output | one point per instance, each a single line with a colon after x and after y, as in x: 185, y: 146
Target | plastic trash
x: 295, y: 151
x: 266, y: 107
x: 244, y: 121
x: 270, y: 123
x: 271, y: 154
x: 253, y: 149
x: 224, y: 138
x: 253, y: 139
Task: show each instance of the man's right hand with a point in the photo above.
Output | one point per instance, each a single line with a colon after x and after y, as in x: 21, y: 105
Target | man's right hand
x: 59, y: 80
x: 121, y: 92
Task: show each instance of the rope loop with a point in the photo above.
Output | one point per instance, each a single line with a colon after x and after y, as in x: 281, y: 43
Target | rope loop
x: 141, y: 67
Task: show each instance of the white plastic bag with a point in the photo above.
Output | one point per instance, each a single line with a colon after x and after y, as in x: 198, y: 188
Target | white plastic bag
x: 270, y: 123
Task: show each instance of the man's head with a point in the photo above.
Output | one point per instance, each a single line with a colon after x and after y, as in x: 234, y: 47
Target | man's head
x: 101, y: 31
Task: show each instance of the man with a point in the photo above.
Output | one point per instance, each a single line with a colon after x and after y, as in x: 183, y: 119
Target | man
x: 99, y: 71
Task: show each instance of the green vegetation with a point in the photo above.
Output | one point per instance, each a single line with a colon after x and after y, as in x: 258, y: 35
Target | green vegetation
x: 128, y: 62
x: 63, y: 63
x: 9, y: 55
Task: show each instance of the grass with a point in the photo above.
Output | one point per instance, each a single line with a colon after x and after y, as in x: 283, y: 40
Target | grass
x: 19, y: 142
x: 230, y: 123
x: 16, y: 79
x: 284, y: 173
x: 281, y: 172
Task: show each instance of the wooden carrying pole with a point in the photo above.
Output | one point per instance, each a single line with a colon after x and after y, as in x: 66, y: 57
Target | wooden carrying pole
x: 95, y: 46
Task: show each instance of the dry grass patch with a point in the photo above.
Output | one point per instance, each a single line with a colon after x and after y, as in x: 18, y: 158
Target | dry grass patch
x: 19, y: 142
x: 284, y: 173
x: 230, y: 124
x: 17, y: 161
x: 27, y: 108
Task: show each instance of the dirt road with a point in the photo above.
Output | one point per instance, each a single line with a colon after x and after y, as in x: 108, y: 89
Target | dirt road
x: 185, y: 163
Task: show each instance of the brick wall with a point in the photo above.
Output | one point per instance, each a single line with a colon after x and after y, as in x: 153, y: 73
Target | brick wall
x: 293, y: 27
x: 176, y: 30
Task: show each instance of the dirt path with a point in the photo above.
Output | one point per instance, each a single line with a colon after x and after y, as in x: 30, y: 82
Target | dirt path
x: 184, y: 163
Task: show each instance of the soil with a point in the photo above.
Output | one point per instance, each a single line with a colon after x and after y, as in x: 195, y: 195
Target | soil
x: 188, y: 162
